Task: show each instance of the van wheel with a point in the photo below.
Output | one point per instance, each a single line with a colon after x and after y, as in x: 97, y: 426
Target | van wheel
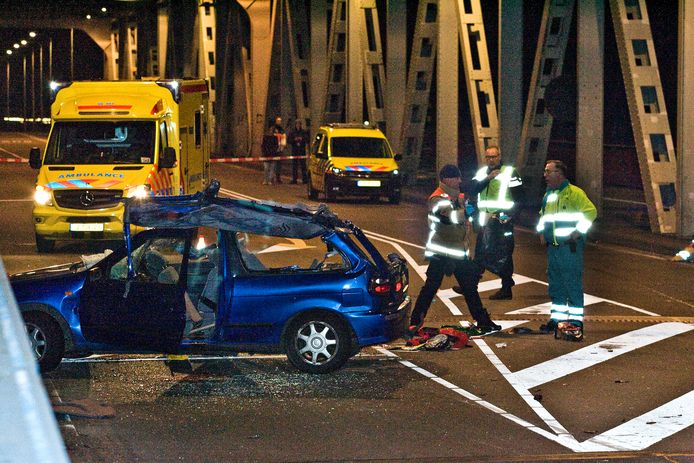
x: 44, y: 245
x: 312, y: 194
x: 329, y: 196
x: 317, y: 343
x: 46, y: 338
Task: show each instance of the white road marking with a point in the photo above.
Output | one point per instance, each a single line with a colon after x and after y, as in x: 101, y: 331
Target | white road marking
x: 10, y: 153
x: 53, y: 393
x: 534, y: 405
x: 596, y: 353
x: 637, y: 434
x: 651, y: 427
x: 505, y: 324
x: 567, y: 441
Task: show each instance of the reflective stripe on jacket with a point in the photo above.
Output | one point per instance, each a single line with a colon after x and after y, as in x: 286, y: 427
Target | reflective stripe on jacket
x: 448, y: 227
x: 565, y: 210
x: 496, y: 195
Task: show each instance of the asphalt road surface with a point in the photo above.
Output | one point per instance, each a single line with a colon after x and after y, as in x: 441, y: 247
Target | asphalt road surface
x: 626, y: 393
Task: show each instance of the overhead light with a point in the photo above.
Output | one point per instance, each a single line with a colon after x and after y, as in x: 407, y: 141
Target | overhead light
x: 16, y: 45
x: 103, y: 9
x: 9, y: 52
x: 89, y: 16
x: 23, y: 42
x: 32, y: 34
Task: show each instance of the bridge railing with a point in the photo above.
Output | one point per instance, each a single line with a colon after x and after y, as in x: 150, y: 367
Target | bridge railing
x: 30, y: 430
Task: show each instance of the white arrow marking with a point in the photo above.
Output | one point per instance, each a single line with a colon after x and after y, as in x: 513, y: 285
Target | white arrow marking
x: 651, y: 427
x: 596, y: 353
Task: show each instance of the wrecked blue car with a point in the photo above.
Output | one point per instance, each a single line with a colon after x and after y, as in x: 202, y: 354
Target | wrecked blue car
x: 220, y: 274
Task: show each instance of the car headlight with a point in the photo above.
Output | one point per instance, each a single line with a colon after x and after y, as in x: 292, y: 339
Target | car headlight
x: 336, y: 171
x: 396, y: 172
x: 42, y: 196
x: 139, y: 191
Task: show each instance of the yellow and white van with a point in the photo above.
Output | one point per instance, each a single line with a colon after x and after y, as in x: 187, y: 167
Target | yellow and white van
x: 355, y: 160
x: 111, y: 140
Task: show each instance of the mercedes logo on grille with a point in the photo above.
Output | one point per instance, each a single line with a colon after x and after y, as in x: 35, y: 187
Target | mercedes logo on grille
x: 87, y: 198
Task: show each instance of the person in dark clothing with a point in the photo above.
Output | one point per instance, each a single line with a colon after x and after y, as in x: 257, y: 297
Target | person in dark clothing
x: 278, y: 131
x: 448, y: 251
x: 498, y: 190
x: 298, y: 138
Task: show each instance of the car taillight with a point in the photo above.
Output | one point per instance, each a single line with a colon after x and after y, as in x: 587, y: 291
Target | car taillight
x: 380, y: 286
x: 384, y: 286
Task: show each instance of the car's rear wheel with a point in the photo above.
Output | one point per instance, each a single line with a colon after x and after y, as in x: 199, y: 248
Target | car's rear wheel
x: 46, y: 338
x: 44, y: 245
x: 312, y: 194
x: 318, y: 343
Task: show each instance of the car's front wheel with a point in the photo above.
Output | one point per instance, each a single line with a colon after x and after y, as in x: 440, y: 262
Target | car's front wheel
x: 318, y: 343
x: 46, y: 338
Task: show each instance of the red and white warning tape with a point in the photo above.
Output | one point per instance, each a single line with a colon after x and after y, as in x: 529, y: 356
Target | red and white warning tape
x: 247, y: 159
x: 243, y: 159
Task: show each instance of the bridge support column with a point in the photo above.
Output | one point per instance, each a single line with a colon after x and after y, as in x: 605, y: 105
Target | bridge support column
x: 589, y: 82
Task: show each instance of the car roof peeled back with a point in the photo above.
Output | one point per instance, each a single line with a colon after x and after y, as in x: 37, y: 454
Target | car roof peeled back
x: 206, y: 209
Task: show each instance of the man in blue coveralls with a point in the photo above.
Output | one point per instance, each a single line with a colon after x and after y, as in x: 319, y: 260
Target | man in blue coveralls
x: 565, y: 218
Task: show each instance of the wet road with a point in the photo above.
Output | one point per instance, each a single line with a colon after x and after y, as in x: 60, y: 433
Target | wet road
x: 628, y: 388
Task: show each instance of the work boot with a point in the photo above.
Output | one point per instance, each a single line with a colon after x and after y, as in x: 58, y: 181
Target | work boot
x: 503, y: 294
x: 569, y: 331
x: 548, y: 327
x: 487, y: 327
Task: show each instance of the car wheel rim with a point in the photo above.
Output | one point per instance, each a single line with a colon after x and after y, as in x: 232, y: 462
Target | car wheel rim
x: 316, y: 343
x: 37, y: 339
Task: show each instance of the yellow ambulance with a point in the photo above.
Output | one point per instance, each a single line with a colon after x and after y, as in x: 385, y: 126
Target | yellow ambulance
x: 355, y: 160
x: 110, y: 140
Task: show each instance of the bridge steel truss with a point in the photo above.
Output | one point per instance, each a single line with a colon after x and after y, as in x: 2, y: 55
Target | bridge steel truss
x: 649, y: 119
x: 537, y: 122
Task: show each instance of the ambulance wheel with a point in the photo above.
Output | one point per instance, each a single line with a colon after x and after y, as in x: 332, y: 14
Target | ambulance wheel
x: 44, y: 245
x: 46, y: 339
x: 317, y: 342
x: 312, y: 194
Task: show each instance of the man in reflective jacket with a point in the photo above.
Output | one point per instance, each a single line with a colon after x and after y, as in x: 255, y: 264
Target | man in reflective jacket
x: 498, y: 188
x: 448, y: 251
x: 565, y: 218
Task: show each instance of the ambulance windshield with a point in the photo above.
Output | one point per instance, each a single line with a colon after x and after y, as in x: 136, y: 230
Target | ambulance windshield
x: 101, y: 142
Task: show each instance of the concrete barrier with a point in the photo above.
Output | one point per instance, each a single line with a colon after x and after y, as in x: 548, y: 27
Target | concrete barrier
x: 29, y: 429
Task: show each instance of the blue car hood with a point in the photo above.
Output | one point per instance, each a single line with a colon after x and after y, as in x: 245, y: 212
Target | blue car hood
x: 46, y: 273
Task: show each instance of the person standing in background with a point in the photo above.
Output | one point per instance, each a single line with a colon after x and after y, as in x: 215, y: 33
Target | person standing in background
x: 298, y: 138
x: 281, y: 136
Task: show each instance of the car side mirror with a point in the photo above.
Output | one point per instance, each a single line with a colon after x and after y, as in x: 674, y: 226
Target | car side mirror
x: 398, y: 157
x: 167, y: 159
x: 35, y: 158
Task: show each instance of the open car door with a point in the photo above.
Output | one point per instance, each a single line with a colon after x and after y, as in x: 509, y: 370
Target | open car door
x: 145, y: 312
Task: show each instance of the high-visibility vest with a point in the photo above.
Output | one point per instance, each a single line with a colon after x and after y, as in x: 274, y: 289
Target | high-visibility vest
x: 496, y: 196
x: 448, y: 227
x: 565, y: 210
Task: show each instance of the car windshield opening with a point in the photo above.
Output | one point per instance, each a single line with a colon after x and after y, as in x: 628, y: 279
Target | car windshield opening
x: 360, y: 147
x: 101, y: 142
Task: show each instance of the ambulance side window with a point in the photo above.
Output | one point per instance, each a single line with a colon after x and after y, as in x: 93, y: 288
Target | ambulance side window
x: 198, y: 129
x: 163, y: 138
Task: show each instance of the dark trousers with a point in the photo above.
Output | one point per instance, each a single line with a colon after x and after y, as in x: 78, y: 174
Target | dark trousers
x: 296, y: 164
x: 494, y: 250
x: 466, y: 272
